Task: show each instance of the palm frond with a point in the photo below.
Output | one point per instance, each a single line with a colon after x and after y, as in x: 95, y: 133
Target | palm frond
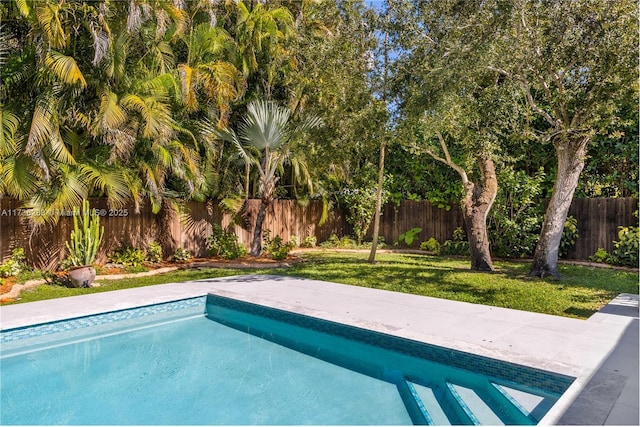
x: 17, y: 178
x: 265, y: 126
x: 9, y: 124
x: 65, y: 68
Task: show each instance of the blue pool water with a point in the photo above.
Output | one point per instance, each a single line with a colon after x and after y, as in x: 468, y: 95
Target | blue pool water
x: 215, y: 360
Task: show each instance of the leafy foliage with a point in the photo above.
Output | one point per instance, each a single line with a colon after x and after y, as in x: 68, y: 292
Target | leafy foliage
x: 309, y: 242
x: 431, y: 245
x: 154, y: 252
x: 457, y: 246
x: 275, y: 247
x: 15, y: 265
x: 408, y: 237
x: 181, y: 255
x: 127, y: 256
x: 569, y: 236
x: 627, y: 247
x: 224, y: 243
x: 515, y: 220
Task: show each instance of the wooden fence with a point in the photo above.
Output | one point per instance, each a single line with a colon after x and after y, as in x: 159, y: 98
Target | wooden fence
x: 598, y: 221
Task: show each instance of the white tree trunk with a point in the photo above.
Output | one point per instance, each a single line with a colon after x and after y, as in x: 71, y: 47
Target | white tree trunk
x: 571, y: 156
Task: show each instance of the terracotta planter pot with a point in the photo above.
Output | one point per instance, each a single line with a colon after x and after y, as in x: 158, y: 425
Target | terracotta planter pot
x: 82, y: 277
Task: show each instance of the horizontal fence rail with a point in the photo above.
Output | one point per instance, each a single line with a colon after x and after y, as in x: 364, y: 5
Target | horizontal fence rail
x: 598, y: 222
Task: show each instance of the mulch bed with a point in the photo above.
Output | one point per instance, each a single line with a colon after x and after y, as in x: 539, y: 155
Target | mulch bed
x: 212, y: 262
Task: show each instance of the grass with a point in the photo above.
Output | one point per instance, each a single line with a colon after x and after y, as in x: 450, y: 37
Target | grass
x: 581, y: 292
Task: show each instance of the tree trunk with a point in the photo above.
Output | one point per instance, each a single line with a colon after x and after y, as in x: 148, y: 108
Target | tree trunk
x: 166, y: 218
x: 476, y: 204
x: 256, y: 244
x: 571, y: 156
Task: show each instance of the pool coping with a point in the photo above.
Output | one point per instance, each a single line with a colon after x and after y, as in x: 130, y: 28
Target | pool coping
x: 595, y: 351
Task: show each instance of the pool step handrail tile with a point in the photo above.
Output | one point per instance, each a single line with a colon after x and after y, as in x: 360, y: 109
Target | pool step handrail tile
x: 428, y: 396
x: 473, y: 406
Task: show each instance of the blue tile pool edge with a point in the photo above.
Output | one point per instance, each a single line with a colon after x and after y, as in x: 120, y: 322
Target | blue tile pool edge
x: 551, y: 382
x: 77, y: 323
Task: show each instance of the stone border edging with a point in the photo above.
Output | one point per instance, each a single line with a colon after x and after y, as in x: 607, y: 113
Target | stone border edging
x: 29, y: 284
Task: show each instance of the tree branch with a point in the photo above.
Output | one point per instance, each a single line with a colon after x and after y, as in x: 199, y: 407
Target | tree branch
x: 447, y: 160
x: 533, y: 104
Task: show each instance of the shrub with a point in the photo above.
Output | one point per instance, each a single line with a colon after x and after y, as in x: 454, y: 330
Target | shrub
x: 457, y: 246
x: 626, y: 248
x: 431, y: 245
x: 224, y: 243
x: 127, y: 256
x: 332, y: 242
x: 276, y: 248
x: 309, y: 242
x: 600, y: 256
x: 154, y: 252
x: 516, y: 216
x: 181, y: 255
x: 15, y: 265
x: 569, y: 236
x: 409, y: 236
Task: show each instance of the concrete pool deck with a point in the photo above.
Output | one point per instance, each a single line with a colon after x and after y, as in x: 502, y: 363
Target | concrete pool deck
x: 601, y: 352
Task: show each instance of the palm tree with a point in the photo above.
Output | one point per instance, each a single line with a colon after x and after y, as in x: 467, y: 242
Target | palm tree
x: 261, y: 35
x: 267, y: 128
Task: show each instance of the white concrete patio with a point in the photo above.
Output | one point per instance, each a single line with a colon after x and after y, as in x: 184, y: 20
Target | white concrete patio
x: 601, y: 352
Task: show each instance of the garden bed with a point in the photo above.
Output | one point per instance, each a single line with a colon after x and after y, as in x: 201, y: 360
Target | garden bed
x: 10, y: 289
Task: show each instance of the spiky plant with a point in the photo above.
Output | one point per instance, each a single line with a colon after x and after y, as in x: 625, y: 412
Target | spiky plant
x: 85, y: 237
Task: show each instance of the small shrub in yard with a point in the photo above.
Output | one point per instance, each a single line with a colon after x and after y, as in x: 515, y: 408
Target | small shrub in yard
x: 276, y: 248
x: 626, y: 248
x: 127, y: 256
x: 600, y: 256
x: 309, y: 242
x: 181, y: 255
x: 431, y: 245
x: 154, y: 252
x: 569, y: 236
x: 332, y: 242
x: 457, y: 246
x: 224, y: 243
x: 14, y: 265
x: 409, y: 236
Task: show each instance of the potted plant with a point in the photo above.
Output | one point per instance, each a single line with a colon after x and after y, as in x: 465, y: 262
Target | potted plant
x: 83, y: 245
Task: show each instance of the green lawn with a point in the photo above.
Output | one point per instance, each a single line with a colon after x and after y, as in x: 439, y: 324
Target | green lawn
x: 580, y: 293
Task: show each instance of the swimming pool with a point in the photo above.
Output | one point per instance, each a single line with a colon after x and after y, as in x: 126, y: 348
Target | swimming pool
x: 216, y: 360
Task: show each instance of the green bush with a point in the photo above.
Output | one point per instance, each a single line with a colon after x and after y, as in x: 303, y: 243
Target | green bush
x: 154, y: 252
x: 309, y: 242
x: 626, y: 248
x: 600, y: 256
x: 224, y: 243
x: 431, y: 245
x: 569, y: 236
x: 409, y: 236
x: 276, y: 248
x: 516, y: 216
x: 127, y: 256
x: 181, y: 255
x: 14, y: 265
x: 457, y: 246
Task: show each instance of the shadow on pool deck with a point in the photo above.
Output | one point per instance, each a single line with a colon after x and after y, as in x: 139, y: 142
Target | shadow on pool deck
x: 611, y: 396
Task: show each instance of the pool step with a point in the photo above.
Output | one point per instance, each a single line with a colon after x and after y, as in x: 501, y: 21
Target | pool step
x: 533, y: 406
x: 471, y: 406
x: 454, y: 404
